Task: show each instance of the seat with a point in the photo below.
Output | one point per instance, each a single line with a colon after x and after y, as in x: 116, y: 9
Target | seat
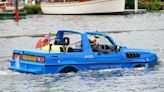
x: 53, y: 48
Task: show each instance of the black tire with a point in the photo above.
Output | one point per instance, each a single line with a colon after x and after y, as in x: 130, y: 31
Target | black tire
x: 68, y: 69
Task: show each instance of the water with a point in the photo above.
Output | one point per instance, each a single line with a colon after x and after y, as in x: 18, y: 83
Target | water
x: 141, y: 31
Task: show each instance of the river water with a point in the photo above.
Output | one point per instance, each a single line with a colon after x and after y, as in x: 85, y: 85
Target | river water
x: 140, y: 31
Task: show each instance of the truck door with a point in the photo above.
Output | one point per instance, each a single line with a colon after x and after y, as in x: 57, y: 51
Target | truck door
x: 110, y: 59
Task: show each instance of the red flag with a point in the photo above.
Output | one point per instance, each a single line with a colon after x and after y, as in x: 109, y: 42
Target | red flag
x: 43, y: 41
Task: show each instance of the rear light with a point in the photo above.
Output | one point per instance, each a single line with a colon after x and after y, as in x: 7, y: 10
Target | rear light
x: 17, y: 56
x: 40, y: 59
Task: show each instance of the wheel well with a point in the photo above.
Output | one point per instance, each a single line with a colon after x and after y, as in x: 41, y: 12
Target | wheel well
x: 68, y: 69
x: 139, y: 65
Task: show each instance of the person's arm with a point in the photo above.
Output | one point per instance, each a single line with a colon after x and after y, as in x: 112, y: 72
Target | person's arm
x: 98, y: 48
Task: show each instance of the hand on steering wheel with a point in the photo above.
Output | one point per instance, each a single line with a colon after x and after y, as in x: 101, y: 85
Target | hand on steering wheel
x: 105, y: 48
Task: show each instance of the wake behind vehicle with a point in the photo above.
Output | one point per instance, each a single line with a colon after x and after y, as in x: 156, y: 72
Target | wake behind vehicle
x: 71, y: 51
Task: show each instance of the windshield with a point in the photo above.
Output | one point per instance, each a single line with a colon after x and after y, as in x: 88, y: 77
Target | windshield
x: 102, y: 40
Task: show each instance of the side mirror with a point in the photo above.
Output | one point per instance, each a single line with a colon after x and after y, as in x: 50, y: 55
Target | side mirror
x: 117, y: 48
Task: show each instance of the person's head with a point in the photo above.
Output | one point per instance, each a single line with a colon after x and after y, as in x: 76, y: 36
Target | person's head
x: 92, y: 40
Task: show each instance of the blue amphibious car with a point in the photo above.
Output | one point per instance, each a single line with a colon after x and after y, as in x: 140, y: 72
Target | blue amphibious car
x: 70, y: 51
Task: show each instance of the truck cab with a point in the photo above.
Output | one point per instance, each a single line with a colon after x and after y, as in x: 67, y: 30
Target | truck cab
x: 77, y: 54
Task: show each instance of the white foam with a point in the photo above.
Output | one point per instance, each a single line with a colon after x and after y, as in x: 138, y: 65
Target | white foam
x: 3, y: 73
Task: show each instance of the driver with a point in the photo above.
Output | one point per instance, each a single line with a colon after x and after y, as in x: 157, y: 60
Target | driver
x: 95, y: 46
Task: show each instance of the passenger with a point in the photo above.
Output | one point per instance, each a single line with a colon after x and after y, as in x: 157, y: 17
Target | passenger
x: 96, y: 46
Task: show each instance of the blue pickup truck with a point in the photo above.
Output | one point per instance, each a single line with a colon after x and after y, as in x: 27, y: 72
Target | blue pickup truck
x: 71, y: 51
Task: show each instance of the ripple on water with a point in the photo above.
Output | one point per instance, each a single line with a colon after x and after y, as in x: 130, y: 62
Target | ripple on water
x: 141, y: 31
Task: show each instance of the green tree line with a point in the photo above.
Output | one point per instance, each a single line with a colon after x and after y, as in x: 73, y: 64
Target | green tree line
x: 150, y: 5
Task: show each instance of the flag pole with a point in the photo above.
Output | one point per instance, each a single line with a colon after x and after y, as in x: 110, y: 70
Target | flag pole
x: 49, y: 38
x: 16, y: 12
